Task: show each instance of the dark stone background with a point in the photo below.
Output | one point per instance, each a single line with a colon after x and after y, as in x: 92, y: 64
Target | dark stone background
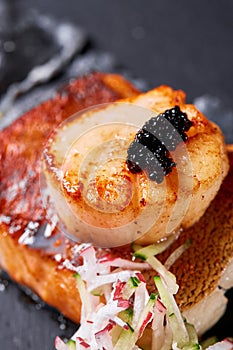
x: 187, y: 44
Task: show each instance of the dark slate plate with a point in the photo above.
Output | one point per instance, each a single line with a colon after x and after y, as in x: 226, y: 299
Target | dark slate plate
x: 187, y: 45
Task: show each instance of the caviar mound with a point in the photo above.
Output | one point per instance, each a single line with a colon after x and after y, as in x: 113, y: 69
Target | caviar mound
x: 150, y: 150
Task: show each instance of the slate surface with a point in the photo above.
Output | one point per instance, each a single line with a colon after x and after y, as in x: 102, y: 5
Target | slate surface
x: 185, y: 44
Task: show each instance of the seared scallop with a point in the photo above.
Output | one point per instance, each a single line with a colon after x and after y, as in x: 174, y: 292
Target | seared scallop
x: 100, y: 200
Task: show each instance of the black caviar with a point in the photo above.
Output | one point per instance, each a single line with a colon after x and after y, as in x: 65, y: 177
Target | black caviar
x: 150, y: 150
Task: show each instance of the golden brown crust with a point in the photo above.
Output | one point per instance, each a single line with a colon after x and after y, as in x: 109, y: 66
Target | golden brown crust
x: 160, y: 98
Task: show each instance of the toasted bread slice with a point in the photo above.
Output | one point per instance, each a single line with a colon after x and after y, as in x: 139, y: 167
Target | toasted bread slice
x: 36, y: 261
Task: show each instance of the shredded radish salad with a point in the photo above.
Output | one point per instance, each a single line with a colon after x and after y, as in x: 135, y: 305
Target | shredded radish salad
x: 116, y: 306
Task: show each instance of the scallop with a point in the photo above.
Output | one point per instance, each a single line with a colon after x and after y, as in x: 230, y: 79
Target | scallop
x: 99, y: 200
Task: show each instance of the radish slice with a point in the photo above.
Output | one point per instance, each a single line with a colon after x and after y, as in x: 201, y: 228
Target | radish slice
x: 60, y: 345
x: 226, y: 344
x: 126, y: 264
x: 104, y: 340
x: 158, y: 326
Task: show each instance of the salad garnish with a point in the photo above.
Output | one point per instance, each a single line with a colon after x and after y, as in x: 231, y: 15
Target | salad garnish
x: 117, y: 307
